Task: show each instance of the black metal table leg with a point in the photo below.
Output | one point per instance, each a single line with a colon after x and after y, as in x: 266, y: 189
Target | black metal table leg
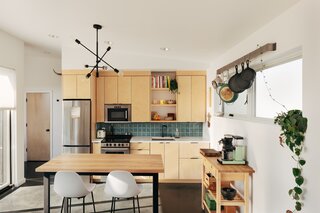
x: 155, y: 188
x: 46, y: 186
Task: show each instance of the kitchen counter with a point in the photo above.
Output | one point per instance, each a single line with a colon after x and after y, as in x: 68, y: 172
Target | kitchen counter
x: 146, y: 139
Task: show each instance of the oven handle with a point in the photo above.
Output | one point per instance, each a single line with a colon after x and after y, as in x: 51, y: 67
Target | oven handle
x: 126, y: 114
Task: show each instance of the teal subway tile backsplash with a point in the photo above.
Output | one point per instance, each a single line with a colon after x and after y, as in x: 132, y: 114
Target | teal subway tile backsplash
x: 191, y: 129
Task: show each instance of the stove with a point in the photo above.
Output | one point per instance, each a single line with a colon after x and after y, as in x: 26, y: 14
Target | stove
x: 116, y: 144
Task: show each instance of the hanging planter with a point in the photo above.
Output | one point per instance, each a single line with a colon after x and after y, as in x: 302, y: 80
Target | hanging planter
x: 173, y: 87
x: 293, y: 127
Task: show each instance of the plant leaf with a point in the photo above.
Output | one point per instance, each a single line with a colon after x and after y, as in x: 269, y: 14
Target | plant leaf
x: 302, y: 162
x: 296, y: 172
x: 290, y: 191
x: 299, y: 180
x: 298, y: 190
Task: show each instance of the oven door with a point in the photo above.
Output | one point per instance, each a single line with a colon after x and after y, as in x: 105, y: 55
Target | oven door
x: 114, y: 150
x: 118, y: 114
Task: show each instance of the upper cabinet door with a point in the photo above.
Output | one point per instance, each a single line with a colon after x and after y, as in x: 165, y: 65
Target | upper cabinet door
x: 83, y: 87
x: 100, y: 99
x: 184, y: 99
x: 198, y: 103
x: 111, y: 90
x: 124, y: 90
x: 69, y: 86
x: 140, y: 99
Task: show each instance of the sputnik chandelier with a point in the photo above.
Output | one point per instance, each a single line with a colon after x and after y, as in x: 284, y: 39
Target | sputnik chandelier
x: 98, y: 58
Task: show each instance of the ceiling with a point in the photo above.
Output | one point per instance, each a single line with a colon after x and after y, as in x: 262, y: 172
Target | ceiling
x: 193, y: 30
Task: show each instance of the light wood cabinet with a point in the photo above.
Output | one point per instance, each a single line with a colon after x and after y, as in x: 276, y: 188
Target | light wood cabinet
x: 110, y: 90
x: 158, y: 148
x: 191, y: 98
x: 190, y: 160
x: 100, y: 99
x: 117, y: 90
x: 171, y: 161
x: 198, y: 102
x: 96, y: 148
x: 76, y: 86
x: 190, y: 168
x: 124, y: 90
x: 140, y: 148
x: 184, y: 99
x: 140, y: 99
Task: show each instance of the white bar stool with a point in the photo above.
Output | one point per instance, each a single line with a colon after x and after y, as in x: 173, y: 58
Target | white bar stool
x: 121, y: 184
x: 69, y: 185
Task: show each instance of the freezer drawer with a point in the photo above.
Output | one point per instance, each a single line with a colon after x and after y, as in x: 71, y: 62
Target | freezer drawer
x: 67, y: 149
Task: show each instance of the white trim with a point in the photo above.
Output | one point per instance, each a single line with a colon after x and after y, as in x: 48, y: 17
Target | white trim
x: 20, y: 182
x: 51, y: 122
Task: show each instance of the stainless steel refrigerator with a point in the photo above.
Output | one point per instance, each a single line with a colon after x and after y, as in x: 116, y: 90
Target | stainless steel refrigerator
x: 76, y: 126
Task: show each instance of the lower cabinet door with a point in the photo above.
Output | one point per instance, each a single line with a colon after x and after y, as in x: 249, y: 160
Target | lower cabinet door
x: 190, y: 168
x: 158, y: 148
x: 171, y: 161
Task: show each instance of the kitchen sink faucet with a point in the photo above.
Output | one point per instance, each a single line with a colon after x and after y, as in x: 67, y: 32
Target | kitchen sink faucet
x: 164, y: 130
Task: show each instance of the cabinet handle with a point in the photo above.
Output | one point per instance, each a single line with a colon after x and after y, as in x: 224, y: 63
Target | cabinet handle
x: 167, y: 142
x: 194, y: 158
x: 194, y: 142
x: 161, y: 142
x: 140, y: 149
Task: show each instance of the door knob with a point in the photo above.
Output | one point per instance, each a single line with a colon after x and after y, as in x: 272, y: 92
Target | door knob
x: 47, y: 130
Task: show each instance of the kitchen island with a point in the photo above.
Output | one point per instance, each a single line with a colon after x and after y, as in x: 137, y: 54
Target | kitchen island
x: 102, y: 164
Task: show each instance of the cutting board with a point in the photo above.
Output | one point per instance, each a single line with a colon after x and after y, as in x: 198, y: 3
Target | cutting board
x: 210, y: 152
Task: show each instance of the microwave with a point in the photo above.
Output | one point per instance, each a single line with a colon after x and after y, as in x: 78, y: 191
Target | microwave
x: 117, y: 112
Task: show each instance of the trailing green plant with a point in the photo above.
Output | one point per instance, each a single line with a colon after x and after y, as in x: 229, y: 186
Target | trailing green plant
x: 173, y: 86
x: 293, y: 127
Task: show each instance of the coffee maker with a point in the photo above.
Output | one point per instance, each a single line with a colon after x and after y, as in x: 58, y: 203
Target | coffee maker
x: 233, y: 150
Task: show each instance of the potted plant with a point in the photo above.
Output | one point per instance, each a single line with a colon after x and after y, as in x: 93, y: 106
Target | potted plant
x: 173, y: 86
x: 293, y: 127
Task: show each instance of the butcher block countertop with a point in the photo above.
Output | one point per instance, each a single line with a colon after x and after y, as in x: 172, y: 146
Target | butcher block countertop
x: 104, y: 163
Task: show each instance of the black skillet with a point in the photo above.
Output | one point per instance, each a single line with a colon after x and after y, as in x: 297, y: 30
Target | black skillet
x: 236, y: 84
x: 248, y: 74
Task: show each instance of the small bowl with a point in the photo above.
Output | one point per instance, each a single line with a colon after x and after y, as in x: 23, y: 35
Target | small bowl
x: 228, y: 193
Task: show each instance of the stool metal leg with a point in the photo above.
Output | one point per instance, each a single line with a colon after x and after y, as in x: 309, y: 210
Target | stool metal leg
x: 138, y: 204
x: 134, y: 208
x: 94, y: 205
x: 83, y: 206
x: 62, y: 205
x: 70, y: 205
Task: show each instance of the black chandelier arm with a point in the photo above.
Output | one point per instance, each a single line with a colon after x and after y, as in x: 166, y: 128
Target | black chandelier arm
x: 78, y: 42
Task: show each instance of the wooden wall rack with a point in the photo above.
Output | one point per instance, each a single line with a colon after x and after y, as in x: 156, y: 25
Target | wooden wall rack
x: 265, y: 48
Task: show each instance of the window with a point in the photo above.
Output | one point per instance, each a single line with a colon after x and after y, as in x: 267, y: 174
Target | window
x: 284, y: 82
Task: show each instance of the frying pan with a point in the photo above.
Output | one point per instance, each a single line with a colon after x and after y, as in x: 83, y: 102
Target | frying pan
x: 237, y: 84
x: 226, y: 94
x: 248, y: 74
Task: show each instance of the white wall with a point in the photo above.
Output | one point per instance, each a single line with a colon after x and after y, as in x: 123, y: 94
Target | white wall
x: 298, y: 26
x: 12, y: 56
x: 39, y: 77
x: 75, y: 57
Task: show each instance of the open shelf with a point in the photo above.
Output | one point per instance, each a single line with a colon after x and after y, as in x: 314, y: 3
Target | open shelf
x: 163, y: 105
x: 237, y: 201
x: 163, y: 121
x: 160, y: 89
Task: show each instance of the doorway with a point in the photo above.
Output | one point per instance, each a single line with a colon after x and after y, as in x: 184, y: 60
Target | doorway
x: 38, y: 126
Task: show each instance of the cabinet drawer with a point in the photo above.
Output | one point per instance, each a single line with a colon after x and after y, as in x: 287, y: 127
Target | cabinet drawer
x: 192, y: 149
x: 139, y: 145
x: 140, y: 151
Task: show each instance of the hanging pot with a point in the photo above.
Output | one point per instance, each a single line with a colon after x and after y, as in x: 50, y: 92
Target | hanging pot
x: 226, y: 94
x: 236, y: 84
x: 216, y: 82
x: 248, y: 74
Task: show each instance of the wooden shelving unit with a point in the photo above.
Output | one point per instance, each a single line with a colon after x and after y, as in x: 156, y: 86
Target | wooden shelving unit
x: 225, y: 175
x: 163, y: 105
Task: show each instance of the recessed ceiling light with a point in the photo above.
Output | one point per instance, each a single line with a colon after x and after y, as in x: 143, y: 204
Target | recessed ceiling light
x: 164, y: 49
x: 53, y: 36
x: 108, y: 42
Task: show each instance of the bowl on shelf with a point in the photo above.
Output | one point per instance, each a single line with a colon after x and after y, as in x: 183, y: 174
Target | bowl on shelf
x: 228, y: 193
x: 171, y: 101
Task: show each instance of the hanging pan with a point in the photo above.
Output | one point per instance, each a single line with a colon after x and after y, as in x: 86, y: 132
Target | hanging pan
x: 248, y: 74
x: 226, y: 94
x: 235, y: 83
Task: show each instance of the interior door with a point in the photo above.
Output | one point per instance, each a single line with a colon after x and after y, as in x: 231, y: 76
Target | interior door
x: 38, y: 126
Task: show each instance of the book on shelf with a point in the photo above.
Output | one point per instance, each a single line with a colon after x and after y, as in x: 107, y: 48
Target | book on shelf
x: 160, y: 81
